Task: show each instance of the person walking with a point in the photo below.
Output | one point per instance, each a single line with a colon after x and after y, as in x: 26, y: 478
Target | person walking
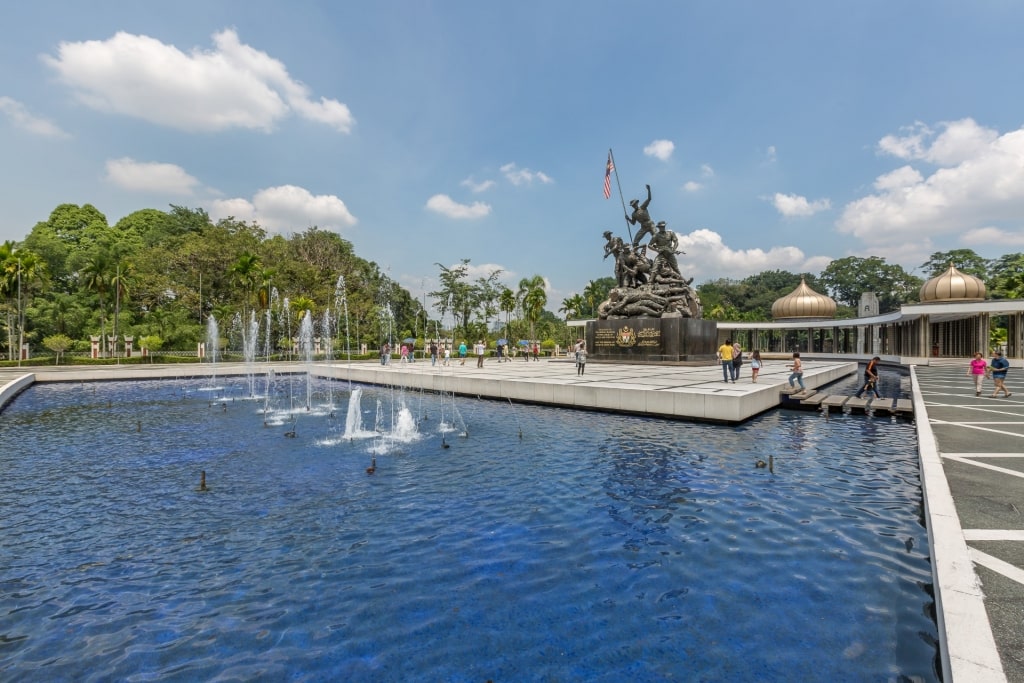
x: 755, y: 365
x: 581, y: 359
x: 725, y: 358
x: 447, y: 354
x: 797, y: 366
x: 480, y: 348
x: 999, y: 367
x: 462, y: 352
x: 404, y: 354
x: 536, y: 351
x: 433, y: 354
x: 978, y: 369
x: 870, y: 378
x: 737, y: 360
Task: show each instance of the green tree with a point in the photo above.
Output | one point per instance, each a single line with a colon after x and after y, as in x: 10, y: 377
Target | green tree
x: 965, y: 260
x: 151, y: 343
x: 454, y: 295
x: 572, y: 306
x: 532, y: 297
x: 594, y: 293
x: 58, y: 343
x: 847, y: 278
x: 1007, y: 277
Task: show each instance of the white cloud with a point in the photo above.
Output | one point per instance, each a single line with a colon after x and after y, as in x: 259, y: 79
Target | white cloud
x: 706, y: 171
x: 994, y: 236
x: 19, y: 115
x: 692, y: 186
x: 902, y: 177
x: 150, y: 176
x: 476, y: 187
x: 770, y: 155
x: 959, y: 141
x: 660, y: 149
x: 230, y: 86
x: 446, y: 206
x: 524, y: 176
x: 241, y: 209
x: 286, y: 208
x: 979, y: 182
x: 707, y: 256
x: 794, y: 205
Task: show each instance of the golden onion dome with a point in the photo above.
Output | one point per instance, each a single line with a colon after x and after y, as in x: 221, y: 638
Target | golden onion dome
x: 803, y: 302
x: 953, y: 286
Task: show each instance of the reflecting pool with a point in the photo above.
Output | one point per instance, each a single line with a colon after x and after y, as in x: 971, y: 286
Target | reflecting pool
x: 492, y: 541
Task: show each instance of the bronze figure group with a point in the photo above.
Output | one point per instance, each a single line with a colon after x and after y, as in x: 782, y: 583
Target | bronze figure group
x: 644, y: 286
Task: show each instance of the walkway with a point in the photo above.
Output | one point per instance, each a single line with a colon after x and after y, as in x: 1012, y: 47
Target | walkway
x: 972, y: 461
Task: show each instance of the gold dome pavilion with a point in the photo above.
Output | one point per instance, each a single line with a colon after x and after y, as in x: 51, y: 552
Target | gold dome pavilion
x: 803, y: 303
x: 953, y: 286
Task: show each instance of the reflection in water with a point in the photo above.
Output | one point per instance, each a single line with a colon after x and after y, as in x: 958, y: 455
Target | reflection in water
x: 595, y: 547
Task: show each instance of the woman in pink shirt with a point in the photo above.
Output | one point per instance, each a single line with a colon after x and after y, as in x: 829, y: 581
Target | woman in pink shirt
x: 978, y: 368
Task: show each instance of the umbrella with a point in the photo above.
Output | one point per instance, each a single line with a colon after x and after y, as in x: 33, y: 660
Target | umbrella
x: 503, y: 342
x: 523, y: 342
x: 409, y: 340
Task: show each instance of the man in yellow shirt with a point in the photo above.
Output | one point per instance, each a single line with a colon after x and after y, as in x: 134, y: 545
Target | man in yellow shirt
x: 725, y: 356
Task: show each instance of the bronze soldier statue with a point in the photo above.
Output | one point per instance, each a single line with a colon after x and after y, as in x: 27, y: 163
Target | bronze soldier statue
x: 641, y: 216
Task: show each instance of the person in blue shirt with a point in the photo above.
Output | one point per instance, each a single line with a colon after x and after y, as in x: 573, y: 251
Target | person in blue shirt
x: 999, y: 367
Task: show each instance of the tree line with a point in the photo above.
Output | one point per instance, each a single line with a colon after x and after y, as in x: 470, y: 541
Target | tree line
x: 160, y: 274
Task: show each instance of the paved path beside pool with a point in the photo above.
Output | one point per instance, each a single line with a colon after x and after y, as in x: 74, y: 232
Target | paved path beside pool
x: 972, y: 467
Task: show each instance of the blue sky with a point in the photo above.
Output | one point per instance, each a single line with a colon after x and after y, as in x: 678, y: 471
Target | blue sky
x: 773, y: 134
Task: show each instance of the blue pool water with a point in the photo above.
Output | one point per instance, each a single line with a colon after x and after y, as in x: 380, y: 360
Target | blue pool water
x: 595, y: 547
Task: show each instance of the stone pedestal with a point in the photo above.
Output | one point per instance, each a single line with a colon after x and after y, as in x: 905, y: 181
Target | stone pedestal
x: 653, y: 340
x: 94, y: 350
x: 128, y: 346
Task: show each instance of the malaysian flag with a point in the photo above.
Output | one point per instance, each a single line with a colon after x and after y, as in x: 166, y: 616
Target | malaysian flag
x: 609, y: 167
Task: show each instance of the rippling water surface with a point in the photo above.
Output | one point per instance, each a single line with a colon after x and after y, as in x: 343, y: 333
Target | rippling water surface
x: 594, y: 547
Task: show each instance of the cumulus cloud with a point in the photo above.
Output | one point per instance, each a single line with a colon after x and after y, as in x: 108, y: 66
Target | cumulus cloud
x: 978, y: 183
x: 19, y: 115
x: 446, y: 206
x: 990, y: 235
x: 150, y: 176
x: 707, y: 256
x: 477, y: 187
x: 660, y: 149
x: 231, y: 85
x: 286, y: 207
x: 524, y: 176
x: 794, y: 205
x: 692, y: 186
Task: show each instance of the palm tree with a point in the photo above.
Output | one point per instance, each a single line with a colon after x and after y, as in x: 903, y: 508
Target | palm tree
x: 9, y: 270
x: 572, y: 306
x: 507, y: 304
x: 246, y: 272
x: 532, y: 299
x: 96, y: 276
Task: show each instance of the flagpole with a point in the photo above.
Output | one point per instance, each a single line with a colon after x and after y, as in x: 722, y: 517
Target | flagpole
x: 615, y: 169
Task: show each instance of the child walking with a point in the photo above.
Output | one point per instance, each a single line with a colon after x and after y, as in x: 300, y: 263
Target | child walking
x: 797, y: 367
x: 755, y: 365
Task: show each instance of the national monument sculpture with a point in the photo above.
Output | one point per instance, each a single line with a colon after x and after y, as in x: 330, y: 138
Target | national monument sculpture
x: 645, y: 286
x: 652, y: 315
